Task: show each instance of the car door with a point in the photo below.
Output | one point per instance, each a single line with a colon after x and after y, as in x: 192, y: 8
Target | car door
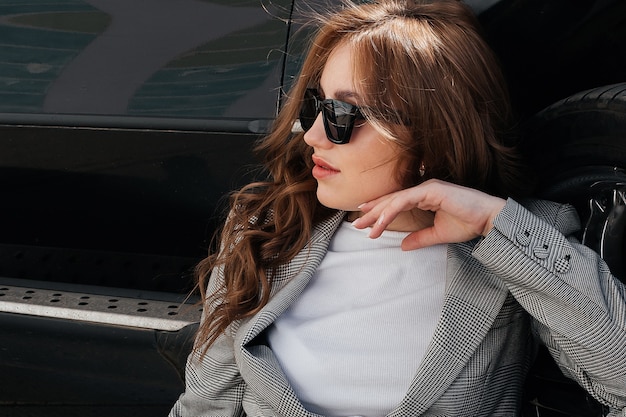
x: 123, y: 125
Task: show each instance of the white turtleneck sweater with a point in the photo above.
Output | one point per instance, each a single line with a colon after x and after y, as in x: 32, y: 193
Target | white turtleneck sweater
x: 351, y: 344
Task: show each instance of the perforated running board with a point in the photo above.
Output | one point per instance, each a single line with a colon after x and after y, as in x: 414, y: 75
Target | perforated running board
x: 95, y: 308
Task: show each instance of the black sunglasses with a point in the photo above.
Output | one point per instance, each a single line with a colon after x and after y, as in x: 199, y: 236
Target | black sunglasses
x: 339, y: 117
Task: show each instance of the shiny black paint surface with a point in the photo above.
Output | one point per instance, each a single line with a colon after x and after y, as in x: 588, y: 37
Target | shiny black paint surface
x: 124, y: 125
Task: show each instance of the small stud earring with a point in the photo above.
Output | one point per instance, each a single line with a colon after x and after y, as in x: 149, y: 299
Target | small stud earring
x: 422, y: 170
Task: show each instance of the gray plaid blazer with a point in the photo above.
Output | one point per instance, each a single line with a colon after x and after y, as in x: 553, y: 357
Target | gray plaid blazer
x: 527, y: 280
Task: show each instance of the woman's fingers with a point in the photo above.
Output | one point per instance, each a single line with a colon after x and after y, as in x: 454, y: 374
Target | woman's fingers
x: 460, y: 213
x: 421, y: 239
x: 380, y: 213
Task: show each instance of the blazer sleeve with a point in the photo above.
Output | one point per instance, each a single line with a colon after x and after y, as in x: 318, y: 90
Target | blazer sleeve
x: 578, y: 306
x: 213, y: 384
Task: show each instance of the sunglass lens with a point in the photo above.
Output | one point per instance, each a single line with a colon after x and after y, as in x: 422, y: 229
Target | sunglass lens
x: 339, y: 119
x: 308, y: 110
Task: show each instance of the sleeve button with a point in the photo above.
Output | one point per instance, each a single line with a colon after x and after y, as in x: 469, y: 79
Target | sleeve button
x: 541, y: 252
x: 562, y: 265
x: 523, y: 238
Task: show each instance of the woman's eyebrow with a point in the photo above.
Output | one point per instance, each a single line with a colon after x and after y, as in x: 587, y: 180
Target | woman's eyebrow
x: 347, y: 94
x: 342, y: 95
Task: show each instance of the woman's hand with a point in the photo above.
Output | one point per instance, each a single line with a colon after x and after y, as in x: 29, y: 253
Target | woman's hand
x: 460, y: 213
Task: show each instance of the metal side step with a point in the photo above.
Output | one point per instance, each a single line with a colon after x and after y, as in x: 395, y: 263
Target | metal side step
x: 98, y: 308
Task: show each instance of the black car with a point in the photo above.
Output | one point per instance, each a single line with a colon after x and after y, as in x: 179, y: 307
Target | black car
x: 124, y: 125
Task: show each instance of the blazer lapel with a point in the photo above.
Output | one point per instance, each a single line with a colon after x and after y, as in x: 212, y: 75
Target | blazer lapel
x: 472, y: 301
x: 258, y: 365
x: 289, y: 280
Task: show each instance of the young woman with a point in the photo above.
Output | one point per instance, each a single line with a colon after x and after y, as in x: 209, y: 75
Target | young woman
x: 383, y: 269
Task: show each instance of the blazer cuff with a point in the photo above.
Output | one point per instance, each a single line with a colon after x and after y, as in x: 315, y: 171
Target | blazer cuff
x: 521, y: 241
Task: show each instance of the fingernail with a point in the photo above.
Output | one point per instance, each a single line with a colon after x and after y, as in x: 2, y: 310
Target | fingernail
x: 360, y: 206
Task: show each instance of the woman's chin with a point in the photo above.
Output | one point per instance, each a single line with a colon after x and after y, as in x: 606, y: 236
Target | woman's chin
x: 332, y: 202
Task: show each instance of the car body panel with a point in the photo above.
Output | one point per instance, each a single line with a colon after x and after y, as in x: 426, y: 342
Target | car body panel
x: 123, y: 127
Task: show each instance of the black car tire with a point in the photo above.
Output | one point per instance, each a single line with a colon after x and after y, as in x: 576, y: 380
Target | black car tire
x: 577, y: 148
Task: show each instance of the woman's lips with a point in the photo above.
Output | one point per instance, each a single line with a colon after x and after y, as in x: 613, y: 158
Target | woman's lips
x: 322, y: 169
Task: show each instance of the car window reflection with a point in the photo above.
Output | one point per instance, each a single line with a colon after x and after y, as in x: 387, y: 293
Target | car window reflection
x: 186, y: 58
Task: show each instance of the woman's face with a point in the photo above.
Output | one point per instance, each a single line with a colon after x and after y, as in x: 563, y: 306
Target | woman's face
x: 359, y: 171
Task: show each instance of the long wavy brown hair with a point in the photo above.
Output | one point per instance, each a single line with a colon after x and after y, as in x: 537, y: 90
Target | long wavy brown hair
x: 432, y: 85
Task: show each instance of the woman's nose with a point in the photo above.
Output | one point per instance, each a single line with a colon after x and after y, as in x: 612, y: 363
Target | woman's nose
x: 316, y: 135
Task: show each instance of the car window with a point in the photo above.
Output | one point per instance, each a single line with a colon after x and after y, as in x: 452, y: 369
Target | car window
x: 155, y: 58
